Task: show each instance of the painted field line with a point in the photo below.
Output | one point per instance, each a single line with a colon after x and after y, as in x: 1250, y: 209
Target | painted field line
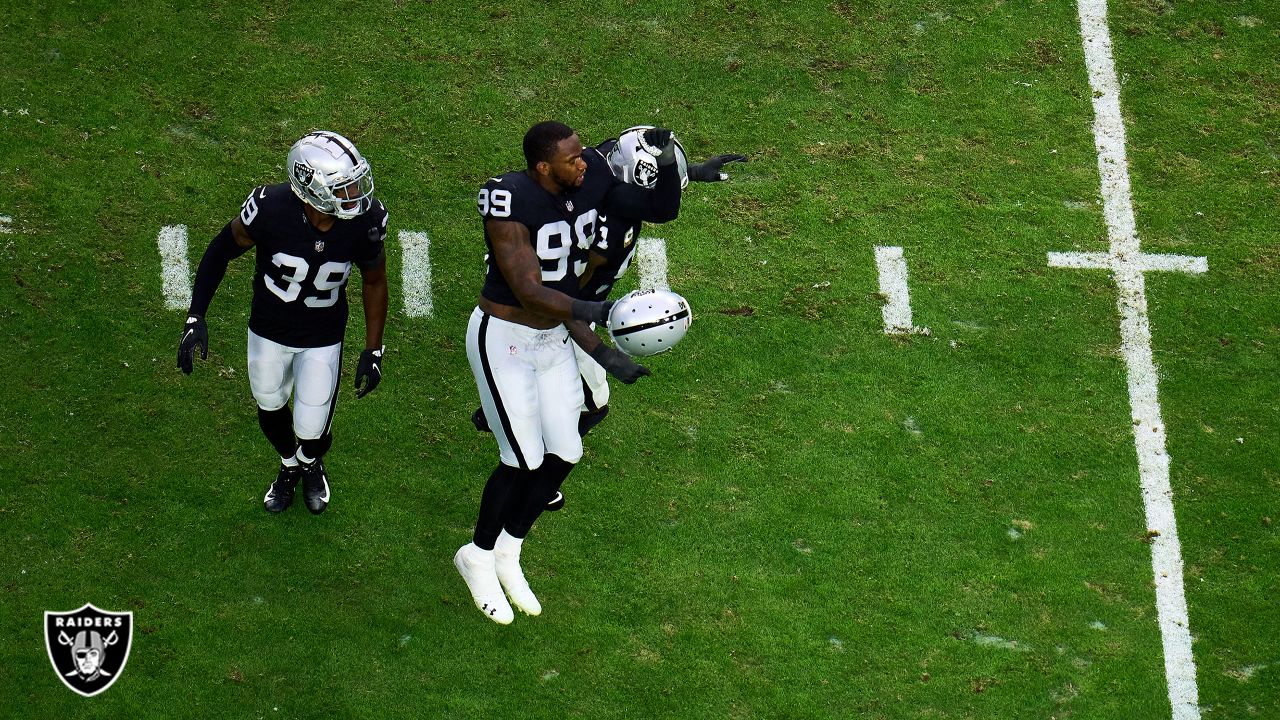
x: 1126, y: 260
x: 5, y: 223
x: 651, y: 256
x: 893, y: 287
x: 175, y: 272
x: 1145, y: 262
x: 416, y: 273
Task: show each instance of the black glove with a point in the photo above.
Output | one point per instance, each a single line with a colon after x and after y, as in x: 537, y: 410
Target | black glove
x: 369, y: 371
x: 709, y: 171
x: 592, y: 312
x: 194, y: 334
x: 661, y: 143
x: 618, y: 364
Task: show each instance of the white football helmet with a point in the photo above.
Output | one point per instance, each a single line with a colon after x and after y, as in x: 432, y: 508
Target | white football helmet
x: 330, y: 175
x: 631, y: 163
x: 647, y: 322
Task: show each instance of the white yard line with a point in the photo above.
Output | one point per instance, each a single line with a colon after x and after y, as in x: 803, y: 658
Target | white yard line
x: 416, y: 273
x: 175, y: 272
x: 651, y: 256
x: 1126, y: 260
x: 893, y: 286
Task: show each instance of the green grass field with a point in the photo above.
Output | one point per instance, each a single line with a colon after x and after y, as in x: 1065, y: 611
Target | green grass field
x: 796, y: 516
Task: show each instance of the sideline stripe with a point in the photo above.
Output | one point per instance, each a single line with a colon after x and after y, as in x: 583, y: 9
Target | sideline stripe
x: 651, y: 256
x: 893, y: 286
x: 416, y: 273
x: 1126, y: 262
x: 175, y: 272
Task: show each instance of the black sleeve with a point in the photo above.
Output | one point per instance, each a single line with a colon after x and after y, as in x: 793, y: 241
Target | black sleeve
x: 213, y: 267
x: 659, y: 205
x: 370, y: 255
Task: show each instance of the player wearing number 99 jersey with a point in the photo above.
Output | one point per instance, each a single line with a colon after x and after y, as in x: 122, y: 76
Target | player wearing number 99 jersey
x: 538, y: 225
x: 308, y: 233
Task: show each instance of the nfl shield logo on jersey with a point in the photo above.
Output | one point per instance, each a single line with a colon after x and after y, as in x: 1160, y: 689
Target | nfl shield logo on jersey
x: 319, y: 246
x: 88, y: 647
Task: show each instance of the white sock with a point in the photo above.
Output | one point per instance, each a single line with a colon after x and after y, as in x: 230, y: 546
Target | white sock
x: 509, y: 543
x: 302, y: 458
x: 289, y: 462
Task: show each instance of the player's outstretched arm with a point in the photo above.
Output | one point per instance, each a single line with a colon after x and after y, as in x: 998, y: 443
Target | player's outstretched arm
x: 373, y: 289
x: 229, y: 244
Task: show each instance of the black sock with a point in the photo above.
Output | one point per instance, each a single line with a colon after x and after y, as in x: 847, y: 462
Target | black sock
x: 315, y: 449
x: 277, y: 425
x: 493, y: 503
x: 546, y: 482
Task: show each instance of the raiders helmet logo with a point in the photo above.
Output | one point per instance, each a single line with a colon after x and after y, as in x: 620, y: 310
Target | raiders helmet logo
x: 88, y: 647
x: 646, y: 171
x: 303, y: 173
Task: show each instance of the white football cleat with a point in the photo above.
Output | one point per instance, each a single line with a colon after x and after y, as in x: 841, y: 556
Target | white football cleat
x: 507, y: 554
x: 477, y: 569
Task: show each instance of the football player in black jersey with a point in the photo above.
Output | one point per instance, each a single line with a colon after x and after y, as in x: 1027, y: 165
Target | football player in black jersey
x: 538, y: 225
x: 611, y: 254
x: 308, y: 233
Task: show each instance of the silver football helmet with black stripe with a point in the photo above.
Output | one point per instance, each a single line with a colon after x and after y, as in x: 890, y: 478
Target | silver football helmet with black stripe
x: 647, y: 322
x: 631, y: 161
x: 330, y: 175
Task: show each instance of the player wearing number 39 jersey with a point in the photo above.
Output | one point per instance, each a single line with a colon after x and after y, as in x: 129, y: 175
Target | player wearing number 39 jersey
x: 308, y: 234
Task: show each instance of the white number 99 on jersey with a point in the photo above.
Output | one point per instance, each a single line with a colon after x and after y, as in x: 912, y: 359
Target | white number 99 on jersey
x: 494, y: 203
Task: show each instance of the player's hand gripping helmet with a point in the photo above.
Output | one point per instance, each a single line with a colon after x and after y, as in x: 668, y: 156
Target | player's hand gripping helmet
x: 330, y: 175
x: 631, y: 163
x: 647, y: 322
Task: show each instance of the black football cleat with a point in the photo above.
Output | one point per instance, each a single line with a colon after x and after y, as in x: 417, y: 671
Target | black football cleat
x: 478, y: 419
x: 280, y: 493
x: 315, y: 487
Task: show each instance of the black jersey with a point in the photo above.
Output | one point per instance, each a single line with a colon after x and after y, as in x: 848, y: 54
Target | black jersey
x: 300, y: 281
x: 616, y: 243
x: 561, y: 227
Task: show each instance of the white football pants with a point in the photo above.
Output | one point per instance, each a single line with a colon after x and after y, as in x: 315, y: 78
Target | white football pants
x: 310, y: 374
x: 529, y: 388
x: 595, y: 381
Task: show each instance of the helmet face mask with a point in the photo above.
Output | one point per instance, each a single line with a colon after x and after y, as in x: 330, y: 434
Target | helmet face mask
x: 329, y: 174
x: 632, y: 164
x: 648, y: 322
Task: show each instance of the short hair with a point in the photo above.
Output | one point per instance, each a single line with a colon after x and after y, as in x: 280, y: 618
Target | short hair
x: 542, y: 141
